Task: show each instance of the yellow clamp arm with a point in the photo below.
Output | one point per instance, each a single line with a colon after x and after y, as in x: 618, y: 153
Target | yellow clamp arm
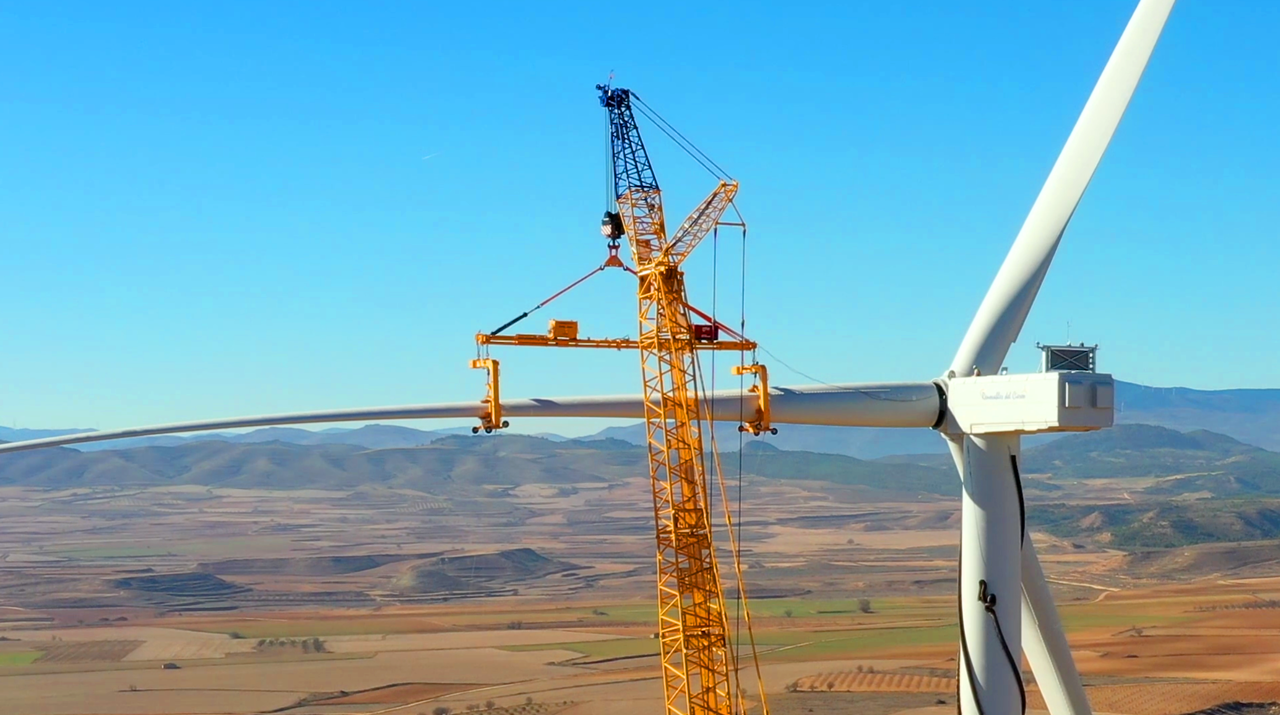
x: 492, y: 417
x: 762, y: 421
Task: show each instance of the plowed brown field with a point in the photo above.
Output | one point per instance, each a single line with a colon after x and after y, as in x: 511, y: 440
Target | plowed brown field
x: 402, y: 693
x: 854, y: 682
x: 87, y: 651
x: 1135, y: 699
x: 1169, y: 698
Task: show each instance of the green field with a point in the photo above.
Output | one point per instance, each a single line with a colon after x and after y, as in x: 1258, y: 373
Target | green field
x: 618, y: 648
x: 896, y: 607
x: 21, y: 657
x: 774, y: 644
x: 203, y: 548
x: 113, y: 552
x: 813, y: 628
x: 355, y: 626
x: 1120, y: 616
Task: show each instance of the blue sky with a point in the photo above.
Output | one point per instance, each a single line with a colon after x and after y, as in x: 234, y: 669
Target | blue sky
x: 224, y: 208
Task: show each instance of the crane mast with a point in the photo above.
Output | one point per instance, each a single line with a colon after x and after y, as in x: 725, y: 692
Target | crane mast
x: 692, y: 622
x: 699, y: 670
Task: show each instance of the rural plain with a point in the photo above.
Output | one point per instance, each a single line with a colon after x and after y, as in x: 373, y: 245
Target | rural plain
x: 515, y: 574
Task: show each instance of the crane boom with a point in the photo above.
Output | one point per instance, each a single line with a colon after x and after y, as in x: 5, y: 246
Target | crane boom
x: 634, y: 184
x: 692, y: 623
x: 701, y: 221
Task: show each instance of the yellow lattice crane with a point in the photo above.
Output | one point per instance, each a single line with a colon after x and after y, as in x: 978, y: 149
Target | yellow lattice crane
x: 699, y: 666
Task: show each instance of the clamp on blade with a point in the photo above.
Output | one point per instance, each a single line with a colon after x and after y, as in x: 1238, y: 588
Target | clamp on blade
x: 761, y: 422
x: 491, y: 419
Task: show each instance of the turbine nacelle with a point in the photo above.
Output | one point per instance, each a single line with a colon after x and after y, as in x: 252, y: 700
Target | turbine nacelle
x: 1028, y: 404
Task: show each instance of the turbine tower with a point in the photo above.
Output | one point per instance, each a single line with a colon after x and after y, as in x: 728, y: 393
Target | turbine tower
x: 1004, y: 601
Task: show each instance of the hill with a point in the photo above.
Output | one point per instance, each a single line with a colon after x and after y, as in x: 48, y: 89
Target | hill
x: 860, y: 442
x: 472, y: 573
x: 304, y: 565
x: 453, y: 465
x: 764, y: 460
x: 450, y: 466
x: 1251, y: 560
x: 14, y: 434
x: 369, y: 436
x: 470, y: 466
x: 1251, y: 416
x: 1160, y: 525
x: 1205, y: 460
x: 1172, y: 463
x: 1191, y: 461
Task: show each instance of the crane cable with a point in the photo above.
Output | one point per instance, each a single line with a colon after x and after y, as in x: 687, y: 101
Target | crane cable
x: 743, y: 612
x: 679, y: 139
x: 650, y: 110
x: 742, y: 359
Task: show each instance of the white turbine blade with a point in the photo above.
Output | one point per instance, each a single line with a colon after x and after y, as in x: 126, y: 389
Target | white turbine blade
x: 1045, y: 644
x: 1004, y: 310
x: 912, y: 404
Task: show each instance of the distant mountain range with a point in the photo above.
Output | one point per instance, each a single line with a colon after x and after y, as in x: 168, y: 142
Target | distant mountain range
x: 1250, y: 416
x: 1188, y: 487
x: 450, y: 466
x: 1197, y: 462
x: 1186, y: 462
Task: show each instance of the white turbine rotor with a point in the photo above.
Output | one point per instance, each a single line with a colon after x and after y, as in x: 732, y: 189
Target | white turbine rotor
x: 997, y: 595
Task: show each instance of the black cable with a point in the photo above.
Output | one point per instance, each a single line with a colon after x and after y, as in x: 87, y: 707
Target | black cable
x: 964, y: 640
x: 742, y: 326
x: 723, y: 173
x: 654, y: 120
x: 1022, y: 504
x: 988, y: 600
x: 511, y: 322
x: 610, y: 198
x: 658, y: 122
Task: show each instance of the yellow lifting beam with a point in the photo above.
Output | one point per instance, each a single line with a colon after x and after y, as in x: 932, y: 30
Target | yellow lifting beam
x: 549, y: 341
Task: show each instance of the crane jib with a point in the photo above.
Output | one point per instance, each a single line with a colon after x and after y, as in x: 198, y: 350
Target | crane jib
x: 631, y: 167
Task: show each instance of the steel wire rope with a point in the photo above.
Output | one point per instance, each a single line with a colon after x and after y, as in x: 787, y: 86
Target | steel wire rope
x: 659, y: 120
x: 742, y: 359
x: 711, y: 415
x: 735, y: 551
x: 707, y: 443
x: 870, y: 395
x: 672, y: 135
x: 968, y: 674
x: 610, y: 197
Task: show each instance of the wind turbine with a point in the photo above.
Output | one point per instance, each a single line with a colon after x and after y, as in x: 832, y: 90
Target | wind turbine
x: 1004, y: 601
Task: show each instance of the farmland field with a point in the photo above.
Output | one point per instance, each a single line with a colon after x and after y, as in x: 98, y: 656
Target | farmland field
x: 262, y: 600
